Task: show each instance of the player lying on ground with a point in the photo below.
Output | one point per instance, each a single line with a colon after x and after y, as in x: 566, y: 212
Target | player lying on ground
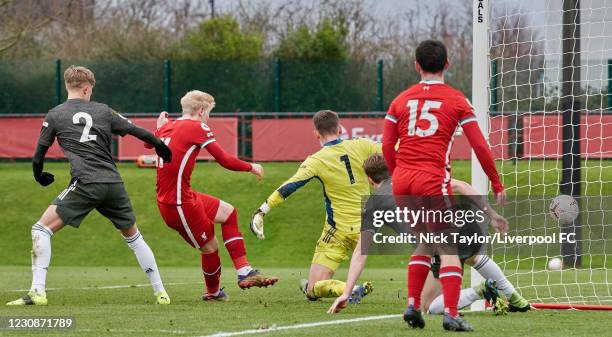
x: 424, y: 118
x: 193, y: 214
x: 379, y: 178
x: 339, y: 168
x: 84, y: 131
x: 433, y: 301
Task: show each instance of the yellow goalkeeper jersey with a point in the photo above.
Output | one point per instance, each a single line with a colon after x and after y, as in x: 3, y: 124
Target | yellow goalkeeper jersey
x: 339, y: 168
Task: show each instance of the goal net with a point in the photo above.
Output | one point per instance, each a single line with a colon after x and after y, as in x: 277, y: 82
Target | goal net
x: 550, y: 127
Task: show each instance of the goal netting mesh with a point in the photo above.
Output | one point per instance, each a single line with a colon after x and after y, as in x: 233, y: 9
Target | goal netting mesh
x: 527, y: 101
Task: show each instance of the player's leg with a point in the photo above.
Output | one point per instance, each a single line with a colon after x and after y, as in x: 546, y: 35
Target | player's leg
x: 327, y: 257
x: 330, y: 251
x: 485, y: 290
x: 431, y: 292
x: 211, y: 268
x: 118, y: 209
x: 146, y: 260
x: 451, y: 277
x: 198, y: 230
x: 226, y: 215
x: 418, y: 271
x: 490, y: 270
x: 320, y: 283
x: 48, y: 224
x: 409, y: 183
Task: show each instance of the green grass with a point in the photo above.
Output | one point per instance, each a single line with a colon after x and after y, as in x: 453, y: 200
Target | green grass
x: 96, y: 255
x: 131, y: 312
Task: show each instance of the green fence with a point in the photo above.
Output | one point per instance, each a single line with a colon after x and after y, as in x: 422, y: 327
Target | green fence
x: 259, y: 85
x: 254, y: 86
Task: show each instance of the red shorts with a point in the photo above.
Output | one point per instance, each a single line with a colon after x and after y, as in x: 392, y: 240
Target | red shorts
x: 409, y: 185
x: 194, y: 221
x: 417, y: 182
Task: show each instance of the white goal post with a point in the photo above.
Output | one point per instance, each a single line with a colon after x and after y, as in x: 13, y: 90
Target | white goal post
x: 480, y: 101
x: 542, y: 94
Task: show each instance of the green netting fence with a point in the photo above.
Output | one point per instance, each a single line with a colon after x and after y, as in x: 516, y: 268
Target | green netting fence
x: 28, y: 87
x: 34, y: 86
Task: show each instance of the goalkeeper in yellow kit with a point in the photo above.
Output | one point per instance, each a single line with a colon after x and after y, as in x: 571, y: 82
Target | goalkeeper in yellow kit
x: 339, y: 168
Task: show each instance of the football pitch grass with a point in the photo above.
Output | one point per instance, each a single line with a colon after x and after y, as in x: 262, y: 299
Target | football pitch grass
x: 117, y: 301
x: 96, y: 256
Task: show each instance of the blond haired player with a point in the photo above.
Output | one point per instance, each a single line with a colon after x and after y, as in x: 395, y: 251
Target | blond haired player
x: 339, y: 168
x: 193, y: 214
x: 84, y: 131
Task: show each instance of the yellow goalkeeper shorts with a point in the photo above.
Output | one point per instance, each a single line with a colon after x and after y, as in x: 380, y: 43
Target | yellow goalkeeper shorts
x: 334, y: 247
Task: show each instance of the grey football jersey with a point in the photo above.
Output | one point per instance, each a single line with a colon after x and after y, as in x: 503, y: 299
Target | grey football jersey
x: 84, y: 132
x: 381, y: 199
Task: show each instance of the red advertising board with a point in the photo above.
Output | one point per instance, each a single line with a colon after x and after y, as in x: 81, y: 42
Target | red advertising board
x: 293, y: 139
x: 18, y: 137
x: 224, y: 128
x: 543, y: 134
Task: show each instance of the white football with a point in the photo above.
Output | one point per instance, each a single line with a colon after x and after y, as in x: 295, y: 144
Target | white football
x: 555, y: 264
x: 564, y: 209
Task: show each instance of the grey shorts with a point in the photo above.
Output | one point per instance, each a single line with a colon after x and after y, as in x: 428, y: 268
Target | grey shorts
x: 111, y: 200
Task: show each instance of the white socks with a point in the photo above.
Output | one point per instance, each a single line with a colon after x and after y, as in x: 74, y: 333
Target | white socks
x: 466, y: 297
x: 244, y: 271
x: 41, y: 256
x: 145, y: 258
x: 489, y: 269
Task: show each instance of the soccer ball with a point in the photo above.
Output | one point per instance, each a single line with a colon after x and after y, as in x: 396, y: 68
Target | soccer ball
x: 555, y: 264
x: 564, y: 208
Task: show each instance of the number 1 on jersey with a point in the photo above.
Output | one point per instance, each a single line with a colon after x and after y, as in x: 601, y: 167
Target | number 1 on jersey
x: 349, y: 170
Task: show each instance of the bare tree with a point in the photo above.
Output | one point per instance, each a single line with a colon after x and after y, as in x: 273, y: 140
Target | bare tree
x: 24, y: 18
x: 518, y: 50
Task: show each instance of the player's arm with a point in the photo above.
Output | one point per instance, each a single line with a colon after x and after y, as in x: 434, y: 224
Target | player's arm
x: 162, y: 120
x: 304, y: 174
x: 370, y: 147
x: 122, y: 126
x: 481, y: 148
x: 498, y: 222
x: 204, y: 137
x: 358, y: 262
x: 231, y: 162
x: 390, y: 136
x: 45, y: 140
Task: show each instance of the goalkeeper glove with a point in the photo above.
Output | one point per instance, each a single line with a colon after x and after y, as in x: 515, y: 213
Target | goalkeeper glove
x: 257, y: 221
x: 45, y: 178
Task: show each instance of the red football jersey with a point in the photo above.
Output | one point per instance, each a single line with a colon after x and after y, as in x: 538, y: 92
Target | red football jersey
x: 185, y: 137
x: 426, y: 116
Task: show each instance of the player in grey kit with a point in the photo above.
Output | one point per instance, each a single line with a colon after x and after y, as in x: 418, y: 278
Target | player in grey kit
x: 84, y: 131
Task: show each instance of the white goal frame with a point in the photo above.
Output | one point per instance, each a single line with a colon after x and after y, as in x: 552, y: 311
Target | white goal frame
x: 480, y: 101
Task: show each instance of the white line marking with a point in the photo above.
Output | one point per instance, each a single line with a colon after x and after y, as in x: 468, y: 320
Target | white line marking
x: 109, y: 287
x: 301, y: 326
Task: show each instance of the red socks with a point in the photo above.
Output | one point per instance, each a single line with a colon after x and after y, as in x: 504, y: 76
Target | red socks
x: 232, y: 238
x: 450, y: 278
x: 418, y: 268
x: 211, y: 268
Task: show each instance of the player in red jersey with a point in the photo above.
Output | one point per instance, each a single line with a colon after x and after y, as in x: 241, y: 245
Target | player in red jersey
x: 192, y: 213
x: 424, y: 118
